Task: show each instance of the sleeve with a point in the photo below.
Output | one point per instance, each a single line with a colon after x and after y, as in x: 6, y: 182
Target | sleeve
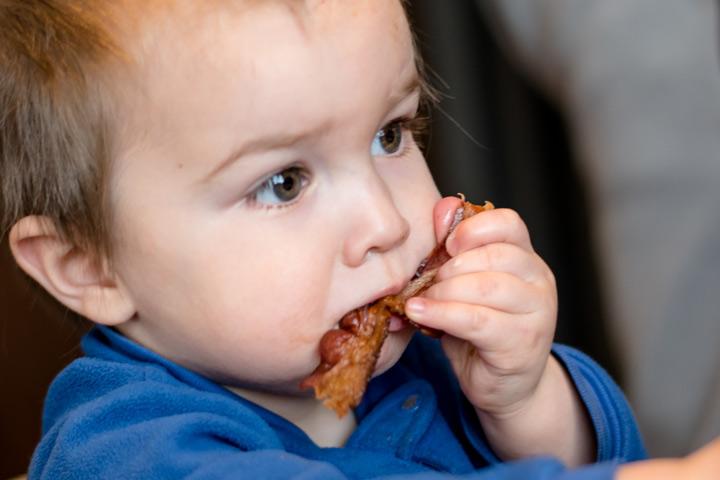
x: 616, y: 432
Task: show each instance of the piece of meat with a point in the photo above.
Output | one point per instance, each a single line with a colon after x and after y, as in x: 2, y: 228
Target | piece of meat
x: 349, y: 354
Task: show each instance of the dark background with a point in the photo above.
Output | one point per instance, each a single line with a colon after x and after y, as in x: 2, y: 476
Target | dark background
x: 495, y: 138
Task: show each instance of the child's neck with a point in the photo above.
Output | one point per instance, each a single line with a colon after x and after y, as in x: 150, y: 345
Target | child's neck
x: 319, y: 423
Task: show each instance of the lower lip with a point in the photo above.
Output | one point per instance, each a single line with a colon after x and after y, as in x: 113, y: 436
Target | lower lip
x: 397, y: 324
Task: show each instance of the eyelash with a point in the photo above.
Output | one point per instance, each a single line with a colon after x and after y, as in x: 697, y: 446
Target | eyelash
x: 416, y: 125
x: 252, y: 198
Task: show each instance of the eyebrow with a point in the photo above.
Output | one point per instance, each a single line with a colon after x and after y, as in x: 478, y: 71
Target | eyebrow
x: 284, y: 140
x: 408, y: 88
x: 281, y: 140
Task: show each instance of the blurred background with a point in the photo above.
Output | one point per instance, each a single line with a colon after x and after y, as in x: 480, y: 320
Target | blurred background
x: 598, y: 121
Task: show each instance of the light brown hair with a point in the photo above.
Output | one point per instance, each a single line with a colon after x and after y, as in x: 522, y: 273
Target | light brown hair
x: 57, y: 62
x: 55, y: 117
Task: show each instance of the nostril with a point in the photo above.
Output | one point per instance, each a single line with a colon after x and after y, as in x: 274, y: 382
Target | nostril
x: 375, y: 237
x: 395, y: 233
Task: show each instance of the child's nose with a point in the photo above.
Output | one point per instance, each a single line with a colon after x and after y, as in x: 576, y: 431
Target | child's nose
x: 377, y: 225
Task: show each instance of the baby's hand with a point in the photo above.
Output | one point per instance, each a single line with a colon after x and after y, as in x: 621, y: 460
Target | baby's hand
x: 496, y: 301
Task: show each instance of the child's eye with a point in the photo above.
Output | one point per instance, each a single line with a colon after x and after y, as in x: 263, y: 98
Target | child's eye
x: 281, y: 188
x: 388, y: 140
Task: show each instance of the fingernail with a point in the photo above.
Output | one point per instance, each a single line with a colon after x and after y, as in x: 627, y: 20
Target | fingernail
x: 448, y: 217
x: 415, y: 307
x: 449, y: 242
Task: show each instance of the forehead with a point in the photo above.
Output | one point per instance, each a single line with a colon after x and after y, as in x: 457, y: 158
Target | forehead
x: 269, y: 52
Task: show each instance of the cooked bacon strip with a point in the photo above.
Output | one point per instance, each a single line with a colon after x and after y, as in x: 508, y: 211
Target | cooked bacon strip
x: 349, y: 354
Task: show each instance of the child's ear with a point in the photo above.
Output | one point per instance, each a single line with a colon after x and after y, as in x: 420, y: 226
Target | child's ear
x: 69, y: 273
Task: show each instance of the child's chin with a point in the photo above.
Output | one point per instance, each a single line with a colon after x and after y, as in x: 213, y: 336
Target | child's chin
x: 392, y: 350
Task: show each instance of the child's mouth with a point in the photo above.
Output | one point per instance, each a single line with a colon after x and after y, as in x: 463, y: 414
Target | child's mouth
x: 349, y: 353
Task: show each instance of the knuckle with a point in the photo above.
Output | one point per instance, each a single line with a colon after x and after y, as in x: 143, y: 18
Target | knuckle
x: 525, y: 334
x: 494, y: 256
x: 478, y: 319
x: 509, y: 364
x: 534, y: 339
x: 511, y: 218
x: 548, y: 273
x: 486, y: 286
x: 435, y: 292
x: 552, y: 306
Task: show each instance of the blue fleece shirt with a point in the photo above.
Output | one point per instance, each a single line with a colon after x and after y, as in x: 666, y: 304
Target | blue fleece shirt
x: 123, y: 411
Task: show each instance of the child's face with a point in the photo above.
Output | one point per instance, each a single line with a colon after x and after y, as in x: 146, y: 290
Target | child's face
x: 256, y: 204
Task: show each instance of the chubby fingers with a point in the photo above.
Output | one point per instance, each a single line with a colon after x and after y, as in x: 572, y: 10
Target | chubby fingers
x: 497, y: 290
x: 494, y: 226
x: 484, y: 327
x: 498, y: 257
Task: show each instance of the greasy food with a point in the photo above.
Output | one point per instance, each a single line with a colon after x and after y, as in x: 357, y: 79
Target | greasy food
x: 349, y: 354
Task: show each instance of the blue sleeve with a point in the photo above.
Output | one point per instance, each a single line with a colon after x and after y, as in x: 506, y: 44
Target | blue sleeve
x: 617, y: 436
x: 616, y: 430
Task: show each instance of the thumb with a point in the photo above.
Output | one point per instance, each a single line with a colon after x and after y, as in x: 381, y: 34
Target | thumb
x: 443, y: 215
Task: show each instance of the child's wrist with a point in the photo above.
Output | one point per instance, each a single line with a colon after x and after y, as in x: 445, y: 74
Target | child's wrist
x: 516, y: 411
x: 550, y: 421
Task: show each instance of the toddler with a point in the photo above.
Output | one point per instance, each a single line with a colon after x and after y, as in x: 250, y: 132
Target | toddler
x: 214, y: 185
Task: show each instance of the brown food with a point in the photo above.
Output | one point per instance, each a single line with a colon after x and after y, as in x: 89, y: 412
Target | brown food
x: 348, y: 354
